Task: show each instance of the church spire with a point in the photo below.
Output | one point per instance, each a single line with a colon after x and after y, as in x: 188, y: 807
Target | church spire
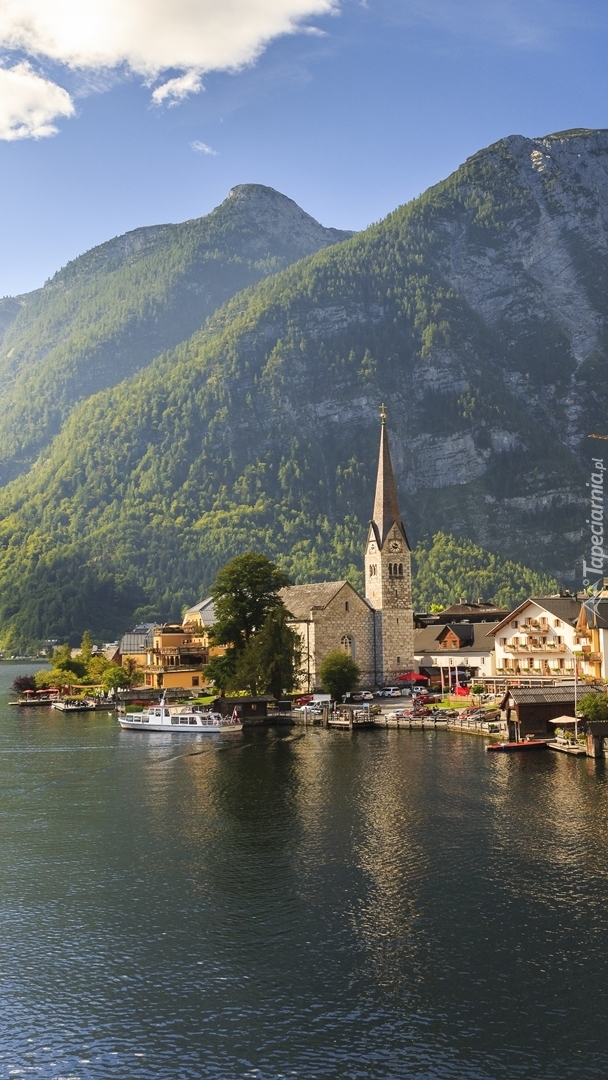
x: 386, y: 505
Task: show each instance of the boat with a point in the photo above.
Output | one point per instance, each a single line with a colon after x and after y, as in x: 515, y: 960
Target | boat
x: 522, y: 744
x: 74, y: 705
x: 179, y: 720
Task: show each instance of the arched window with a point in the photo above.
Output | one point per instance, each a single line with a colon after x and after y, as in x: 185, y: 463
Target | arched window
x: 390, y: 569
x: 400, y: 569
x: 348, y: 644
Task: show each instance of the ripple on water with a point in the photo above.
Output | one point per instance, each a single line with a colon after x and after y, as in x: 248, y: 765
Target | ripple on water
x: 384, y: 904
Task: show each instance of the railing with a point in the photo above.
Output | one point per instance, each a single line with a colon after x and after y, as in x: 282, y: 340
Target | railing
x: 551, y: 650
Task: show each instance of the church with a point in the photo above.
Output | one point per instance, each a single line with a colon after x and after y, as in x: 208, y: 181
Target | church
x: 377, y: 629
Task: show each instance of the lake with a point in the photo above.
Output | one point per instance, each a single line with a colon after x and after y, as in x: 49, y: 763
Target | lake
x: 297, y: 903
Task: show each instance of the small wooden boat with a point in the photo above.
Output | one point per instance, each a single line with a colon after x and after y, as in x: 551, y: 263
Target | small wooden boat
x: 523, y: 744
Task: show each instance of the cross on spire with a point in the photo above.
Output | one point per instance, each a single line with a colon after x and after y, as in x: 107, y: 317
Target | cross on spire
x: 383, y: 413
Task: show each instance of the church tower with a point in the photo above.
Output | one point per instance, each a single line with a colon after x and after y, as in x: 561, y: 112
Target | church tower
x: 388, y: 574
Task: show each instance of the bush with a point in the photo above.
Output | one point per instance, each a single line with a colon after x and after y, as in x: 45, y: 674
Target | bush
x: 23, y: 682
x: 339, y: 674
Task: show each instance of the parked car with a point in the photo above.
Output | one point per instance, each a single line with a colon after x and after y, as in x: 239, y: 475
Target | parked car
x: 361, y: 695
x: 390, y: 691
x: 427, y: 699
x: 303, y: 699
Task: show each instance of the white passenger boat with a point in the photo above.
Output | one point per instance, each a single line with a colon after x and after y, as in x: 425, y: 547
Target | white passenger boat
x: 180, y: 720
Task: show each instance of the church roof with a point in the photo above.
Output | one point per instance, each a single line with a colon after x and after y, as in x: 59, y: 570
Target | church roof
x: 386, y: 503
x: 299, y: 599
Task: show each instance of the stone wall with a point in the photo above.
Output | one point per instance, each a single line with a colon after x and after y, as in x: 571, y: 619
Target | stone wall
x: 324, y: 632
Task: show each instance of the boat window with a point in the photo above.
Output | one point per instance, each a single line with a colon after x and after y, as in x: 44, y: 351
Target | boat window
x: 145, y: 719
x: 193, y: 720
x: 166, y: 712
x: 158, y: 712
x: 137, y: 719
x: 184, y: 721
x: 175, y: 719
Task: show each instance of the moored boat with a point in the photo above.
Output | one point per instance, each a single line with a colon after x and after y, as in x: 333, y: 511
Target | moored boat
x: 180, y: 720
x: 523, y: 744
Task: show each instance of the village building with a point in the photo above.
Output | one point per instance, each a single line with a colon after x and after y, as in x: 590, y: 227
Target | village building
x: 455, y: 653
x: 201, y: 616
x: 539, y: 710
x: 377, y: 629
x: 332, y: 615
x: 171, y: 656
x: 547, y: 636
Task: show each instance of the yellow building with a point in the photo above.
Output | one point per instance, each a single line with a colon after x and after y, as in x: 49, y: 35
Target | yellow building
x: 171, y: 656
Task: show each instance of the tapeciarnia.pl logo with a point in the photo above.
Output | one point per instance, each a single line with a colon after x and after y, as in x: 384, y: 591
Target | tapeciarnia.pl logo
x: 595, y: 567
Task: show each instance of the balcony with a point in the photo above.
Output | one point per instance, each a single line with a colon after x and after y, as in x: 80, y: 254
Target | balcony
x: 548, y: 650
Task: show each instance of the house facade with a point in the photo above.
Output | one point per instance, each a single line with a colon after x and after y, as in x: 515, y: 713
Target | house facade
x: 170, y: 656
x: 547, y: 636
x: 455, y: 652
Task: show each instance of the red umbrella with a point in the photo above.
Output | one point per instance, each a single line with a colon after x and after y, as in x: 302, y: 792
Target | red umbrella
x: 412, y: 676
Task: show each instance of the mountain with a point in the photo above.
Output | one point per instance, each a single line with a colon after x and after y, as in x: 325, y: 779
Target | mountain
x: 110, y: 312
x: 478, y: 311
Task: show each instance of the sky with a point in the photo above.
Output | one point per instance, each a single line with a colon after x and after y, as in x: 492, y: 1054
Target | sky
x: 121, y: 113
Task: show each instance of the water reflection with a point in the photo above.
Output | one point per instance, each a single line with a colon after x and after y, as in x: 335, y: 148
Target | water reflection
x: 332, y: 904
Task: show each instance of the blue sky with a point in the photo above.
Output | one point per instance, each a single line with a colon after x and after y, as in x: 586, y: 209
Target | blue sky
x: 359, y: 111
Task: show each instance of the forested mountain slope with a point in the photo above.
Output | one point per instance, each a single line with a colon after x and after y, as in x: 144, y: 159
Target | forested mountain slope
x: 477, y: 311
x: 111, y: 311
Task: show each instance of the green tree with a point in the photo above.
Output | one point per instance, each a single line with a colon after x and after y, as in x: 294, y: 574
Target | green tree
x: 339, y: 673
x: 594, y: 706
x: 450, y: 567
x: 244, y: 593
x: 114, y: 677
x: 270, y: 662
x: 96, y: 667
x: 221, y: 670
x: 64, y: 661
x: 86, y: 647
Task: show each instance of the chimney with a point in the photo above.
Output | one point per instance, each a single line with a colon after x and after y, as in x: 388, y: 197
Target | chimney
x: 463, y: 600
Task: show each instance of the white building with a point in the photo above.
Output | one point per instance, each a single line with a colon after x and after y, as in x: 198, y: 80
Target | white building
x: 463, y: 647
x: 545, y: 634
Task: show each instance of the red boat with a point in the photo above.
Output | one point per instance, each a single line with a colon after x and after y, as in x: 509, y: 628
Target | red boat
x: 524, y: 744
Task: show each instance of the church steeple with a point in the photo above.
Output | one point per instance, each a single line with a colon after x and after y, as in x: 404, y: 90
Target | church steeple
x: 388, y: 574
x: 386, y: 504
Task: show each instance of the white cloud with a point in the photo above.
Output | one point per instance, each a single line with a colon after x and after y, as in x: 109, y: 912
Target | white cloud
x: 175, y: 90
x: 29, y: 103
x: 98, y: 39
x: 202, y: 148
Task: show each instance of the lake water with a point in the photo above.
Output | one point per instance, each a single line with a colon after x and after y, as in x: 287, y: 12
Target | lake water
x: 290, y: 903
